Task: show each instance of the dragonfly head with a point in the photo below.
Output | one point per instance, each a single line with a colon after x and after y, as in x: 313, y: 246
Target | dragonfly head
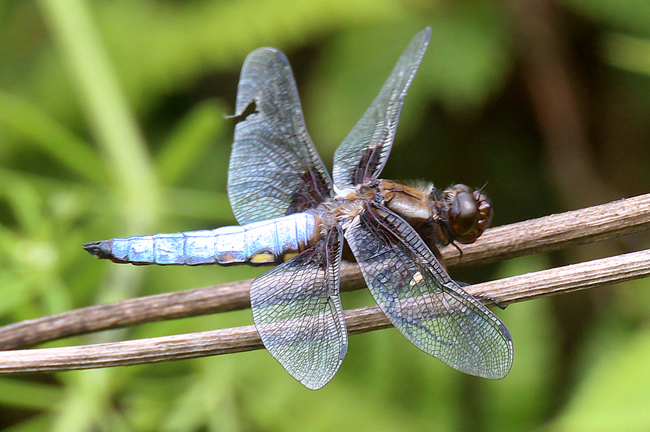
x: 468, y: 212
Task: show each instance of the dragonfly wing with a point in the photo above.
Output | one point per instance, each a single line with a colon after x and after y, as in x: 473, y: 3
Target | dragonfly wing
x: 298, y: 314
x: 422, y: 301
x: 274, y: 168
x: 363, y: 154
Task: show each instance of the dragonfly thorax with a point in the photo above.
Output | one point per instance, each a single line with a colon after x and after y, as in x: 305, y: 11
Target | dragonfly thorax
x: 458, y: 214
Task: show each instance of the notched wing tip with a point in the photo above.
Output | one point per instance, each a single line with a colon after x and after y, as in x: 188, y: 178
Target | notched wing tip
x: 251, y: 108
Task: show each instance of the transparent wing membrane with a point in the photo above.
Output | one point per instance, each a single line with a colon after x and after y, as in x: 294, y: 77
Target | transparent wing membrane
x: 422, y: 301
x: 298, y: 314
x: 364, y: 152
x: 274, y: 168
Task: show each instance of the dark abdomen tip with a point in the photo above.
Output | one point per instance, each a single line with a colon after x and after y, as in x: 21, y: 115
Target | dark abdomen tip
x: 103, y: 249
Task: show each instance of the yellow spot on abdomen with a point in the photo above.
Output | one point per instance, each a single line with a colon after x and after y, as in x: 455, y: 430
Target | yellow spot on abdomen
x: 262, y: 258
x: 289, y: 255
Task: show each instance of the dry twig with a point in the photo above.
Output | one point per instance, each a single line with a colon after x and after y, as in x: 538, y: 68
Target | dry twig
x: 535, y: 236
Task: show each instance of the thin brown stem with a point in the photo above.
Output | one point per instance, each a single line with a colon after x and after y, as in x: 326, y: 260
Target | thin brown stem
x: 524, y: 238
x: 225, y: 341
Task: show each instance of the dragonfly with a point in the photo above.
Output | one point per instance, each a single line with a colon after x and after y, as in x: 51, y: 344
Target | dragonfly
x: 294, y: 215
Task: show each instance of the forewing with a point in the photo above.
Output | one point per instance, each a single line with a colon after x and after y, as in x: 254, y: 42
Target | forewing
x: 364, y: 152
x: 298, y: 314
x: 422, y: 301
x: 274, y: 168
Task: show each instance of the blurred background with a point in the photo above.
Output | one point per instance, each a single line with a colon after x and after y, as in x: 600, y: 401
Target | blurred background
x: 112, y: 123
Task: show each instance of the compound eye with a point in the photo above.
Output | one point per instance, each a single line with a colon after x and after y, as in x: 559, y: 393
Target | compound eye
x: 464, y: 214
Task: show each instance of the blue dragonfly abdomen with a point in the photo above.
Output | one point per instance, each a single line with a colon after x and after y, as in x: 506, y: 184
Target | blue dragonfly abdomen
x: 266, y: 242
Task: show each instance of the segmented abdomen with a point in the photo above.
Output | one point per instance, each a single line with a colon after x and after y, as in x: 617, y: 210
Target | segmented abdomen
x: 270, y: 241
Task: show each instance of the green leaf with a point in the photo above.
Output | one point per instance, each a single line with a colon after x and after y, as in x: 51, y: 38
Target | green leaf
x: 28, y: 394
x: 192, y: 203
x: 625, y: 15
x: 466, y: 62
x: 614, y: 394
x: 469, y: 57
x: 38, y: 129
x: 109, y: 114
x: 627, y: 52
x: 188, y: 141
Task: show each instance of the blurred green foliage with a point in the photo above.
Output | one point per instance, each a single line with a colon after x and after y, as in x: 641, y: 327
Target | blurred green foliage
x: 113, y: 123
